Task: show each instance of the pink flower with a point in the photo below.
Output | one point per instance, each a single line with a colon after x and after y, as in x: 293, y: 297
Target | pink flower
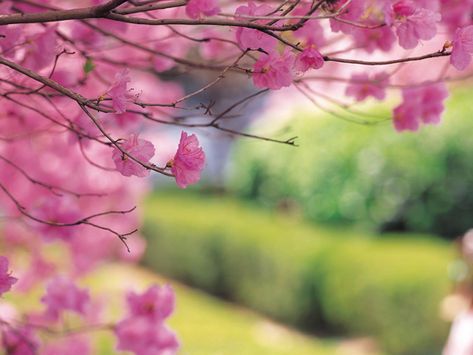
x: 420, y: 104
x: 71, y: 345
x: 309, y: 58
x: 412, y: 22
x: 361, y: 86
x: 118, y: 91
x: 143, y: 331
x: 188, y: 162
x: 143, y: 336
x: 141, y: 149
x: 6, y: 281
x: 462, y: 47
x: 157, y: 303
x: 10, y: 37
x: 41, y: 49
x: 251, y: 38
x: 273, y: 70
x: 63, y: 295
x: 19, y: 341
x: 195, y: 8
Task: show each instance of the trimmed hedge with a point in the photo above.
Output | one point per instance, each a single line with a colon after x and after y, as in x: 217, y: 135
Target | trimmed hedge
x: 370, y: 175
x: 309, y: 277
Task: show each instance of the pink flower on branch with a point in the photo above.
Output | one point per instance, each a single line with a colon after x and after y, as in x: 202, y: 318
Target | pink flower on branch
x: 6, y: 281
x: 143, y: 331
x: 157, y: 303
x: 423, y: 104
x: 197, y: 8
x: 119, y: 92
x: 310, y: 58
x: 143, y: 336
x: 140, y: 149
x: 41, y: 49
x: 412, y: 22
x: 188, y: 161
x: 273, y: 70
x: 361, y: 86
x: 250, y: 38
x: 462, y: 47
x: 63, y: 295
x: 19, y: 341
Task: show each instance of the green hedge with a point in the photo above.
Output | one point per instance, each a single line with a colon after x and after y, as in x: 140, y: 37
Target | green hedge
x: 308, y: 277
x: 343, y: 172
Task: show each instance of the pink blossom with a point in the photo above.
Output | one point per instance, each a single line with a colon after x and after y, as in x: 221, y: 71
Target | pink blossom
x: 273, y: 70
x: 41, y: 49
x: 309, y: 58
x: 6, y: 281
x: 140, y: 149
x: 118, y: 91
x: 157, y: 303
x: 252, y: 38
x: 361, y: 86
x: 188, y: 161
x: 195, y: 8
x: 58, y: 210
x: 420, y: 104
x: 10, y: 37
x: 63, y: 295
x: 462, y: 47
x: 70, y: 345
x: 19, y: 341
x: 38, y: 270
x: 312, y: 33
x: 144, y: 336
x: 353, y: 12
x: 412, y: 22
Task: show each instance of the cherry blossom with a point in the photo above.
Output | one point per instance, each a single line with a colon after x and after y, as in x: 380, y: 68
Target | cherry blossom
x: 41, y: 49
x: 310, y: 58
x: 188, y: 161
x: 119, y: 92
x: 420, y: 104
x: 156, y: 303
x: 195, y: 8
x: 6, y: 281
x: 19, y: 341
x: 63, y: 295
x: 143, y: 331
x: 361, y: 86
x: 251, y: 38
x: 462, y: 47
x: 274, y: 70
x: 412, y: 23
x: 143, y: 336
x: 140, y: 149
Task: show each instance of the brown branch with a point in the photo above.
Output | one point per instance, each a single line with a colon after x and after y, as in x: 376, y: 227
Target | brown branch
x: 52, y: 84
x: 61, y: 15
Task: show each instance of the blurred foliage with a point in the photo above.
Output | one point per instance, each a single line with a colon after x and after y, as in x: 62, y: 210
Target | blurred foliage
x: 343, y: 172
x: 326, y: 278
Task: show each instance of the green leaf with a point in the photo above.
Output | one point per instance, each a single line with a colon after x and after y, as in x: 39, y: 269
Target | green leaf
x: 89, y: 66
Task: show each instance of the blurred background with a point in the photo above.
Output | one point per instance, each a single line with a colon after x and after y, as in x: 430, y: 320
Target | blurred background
x: 349, y: 243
